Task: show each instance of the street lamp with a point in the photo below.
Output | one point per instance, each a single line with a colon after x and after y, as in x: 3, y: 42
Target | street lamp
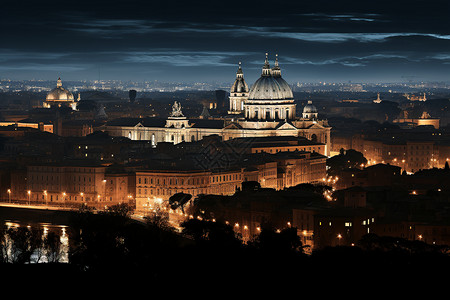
x: 45, y: 195
x: 29, y: 197
x: 9, y: 195
x: 104, y: 189
x: 64, y: 199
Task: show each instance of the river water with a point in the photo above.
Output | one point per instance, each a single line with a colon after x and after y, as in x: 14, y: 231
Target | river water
x: 41, y: 254
x: 43, y: 221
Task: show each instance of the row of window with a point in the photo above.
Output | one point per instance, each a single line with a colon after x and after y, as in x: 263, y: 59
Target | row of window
x: 56, y: 178
x: 271, y: 150
x: 144, y: 192
x: 189, y: 181
x: 62, y: 169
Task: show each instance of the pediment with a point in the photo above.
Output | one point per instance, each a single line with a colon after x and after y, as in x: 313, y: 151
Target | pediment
x: 139, y: 125
x: 286, y: 126
x: 316, y: 126
x: 233, y: 126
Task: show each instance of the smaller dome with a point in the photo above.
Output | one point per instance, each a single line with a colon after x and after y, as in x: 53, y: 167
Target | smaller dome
x: 309, y: 108
x: 239, y: 85
x: 59, y: 93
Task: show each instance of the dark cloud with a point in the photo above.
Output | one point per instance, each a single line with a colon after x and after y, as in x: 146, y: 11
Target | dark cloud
x: 204, y: 40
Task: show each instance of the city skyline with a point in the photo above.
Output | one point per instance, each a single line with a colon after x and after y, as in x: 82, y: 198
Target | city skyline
x: 200, y: 41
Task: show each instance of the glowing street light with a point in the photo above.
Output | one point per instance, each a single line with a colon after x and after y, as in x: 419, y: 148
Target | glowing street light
x: 9, y: 195
x: 45, y: 195
x: 64, y: 198
x: 29, y: 197
x: 339, y: 236
x: 104, y: 189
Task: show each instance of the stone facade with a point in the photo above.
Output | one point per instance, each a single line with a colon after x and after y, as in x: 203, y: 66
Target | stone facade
x: 267, y: 110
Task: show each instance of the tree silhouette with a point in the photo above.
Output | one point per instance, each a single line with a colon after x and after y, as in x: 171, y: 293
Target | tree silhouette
x: 270, y: 241
x: 178, y: 200
x: 213, y: 234
x: 53, y: 247
x: 346, y: 159
x: 132, y: 95
x: 20, y: 243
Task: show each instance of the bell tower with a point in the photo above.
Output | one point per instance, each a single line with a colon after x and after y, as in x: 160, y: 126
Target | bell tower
x: 238, y: 93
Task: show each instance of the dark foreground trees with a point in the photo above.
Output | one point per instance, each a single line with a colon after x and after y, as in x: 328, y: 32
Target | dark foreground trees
x: 113, y: 245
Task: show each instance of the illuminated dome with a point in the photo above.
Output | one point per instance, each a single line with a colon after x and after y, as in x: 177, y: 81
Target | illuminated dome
x: 309, y: 108
x: 59, y: 93
x: 270, y: 98
x: 310, y: 111
x: 60, y: 97
x: 239, y: 85
x: 271, y: 86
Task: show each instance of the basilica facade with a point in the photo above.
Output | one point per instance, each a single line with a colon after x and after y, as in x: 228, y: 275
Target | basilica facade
x: 266, y: 109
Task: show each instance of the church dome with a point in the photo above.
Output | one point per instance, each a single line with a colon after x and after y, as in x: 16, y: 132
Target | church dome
x: 309, y: 108
x: 239, y: 85
x: 270, y: 86
x: 59, y: 93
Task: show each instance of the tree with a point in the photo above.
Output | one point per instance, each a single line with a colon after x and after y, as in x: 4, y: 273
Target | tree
x: 53, y: 247
x: 309, y: 187
x: 346, y: 159
x: 285, y: 241
x: 178, y: 200
x: 250, y: 186
x: 20, y: 243
x: 213, y: 234
x: 121, y: 210
x: 132, y: 95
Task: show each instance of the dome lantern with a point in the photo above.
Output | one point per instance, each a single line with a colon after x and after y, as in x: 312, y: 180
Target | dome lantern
x: 276, y: 71
x: 239, y: 73
x: 266, y: 68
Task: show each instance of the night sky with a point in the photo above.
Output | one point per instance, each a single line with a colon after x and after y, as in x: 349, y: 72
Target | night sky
x: 361, y: 41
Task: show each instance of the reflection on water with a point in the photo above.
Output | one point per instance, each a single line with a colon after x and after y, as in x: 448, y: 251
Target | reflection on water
x: 47, y: 242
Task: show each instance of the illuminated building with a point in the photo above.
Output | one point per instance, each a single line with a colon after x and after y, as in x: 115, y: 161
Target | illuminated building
x: 425, y: 119
x: 30, y: 124
x: 74, y: 183
x: 412, y: 151
x: 378, y: 100
x: 416, y: 97
x: 60, y: 97
x: 269, y: 110
x: 342, y: 226
x: 275, y: 171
